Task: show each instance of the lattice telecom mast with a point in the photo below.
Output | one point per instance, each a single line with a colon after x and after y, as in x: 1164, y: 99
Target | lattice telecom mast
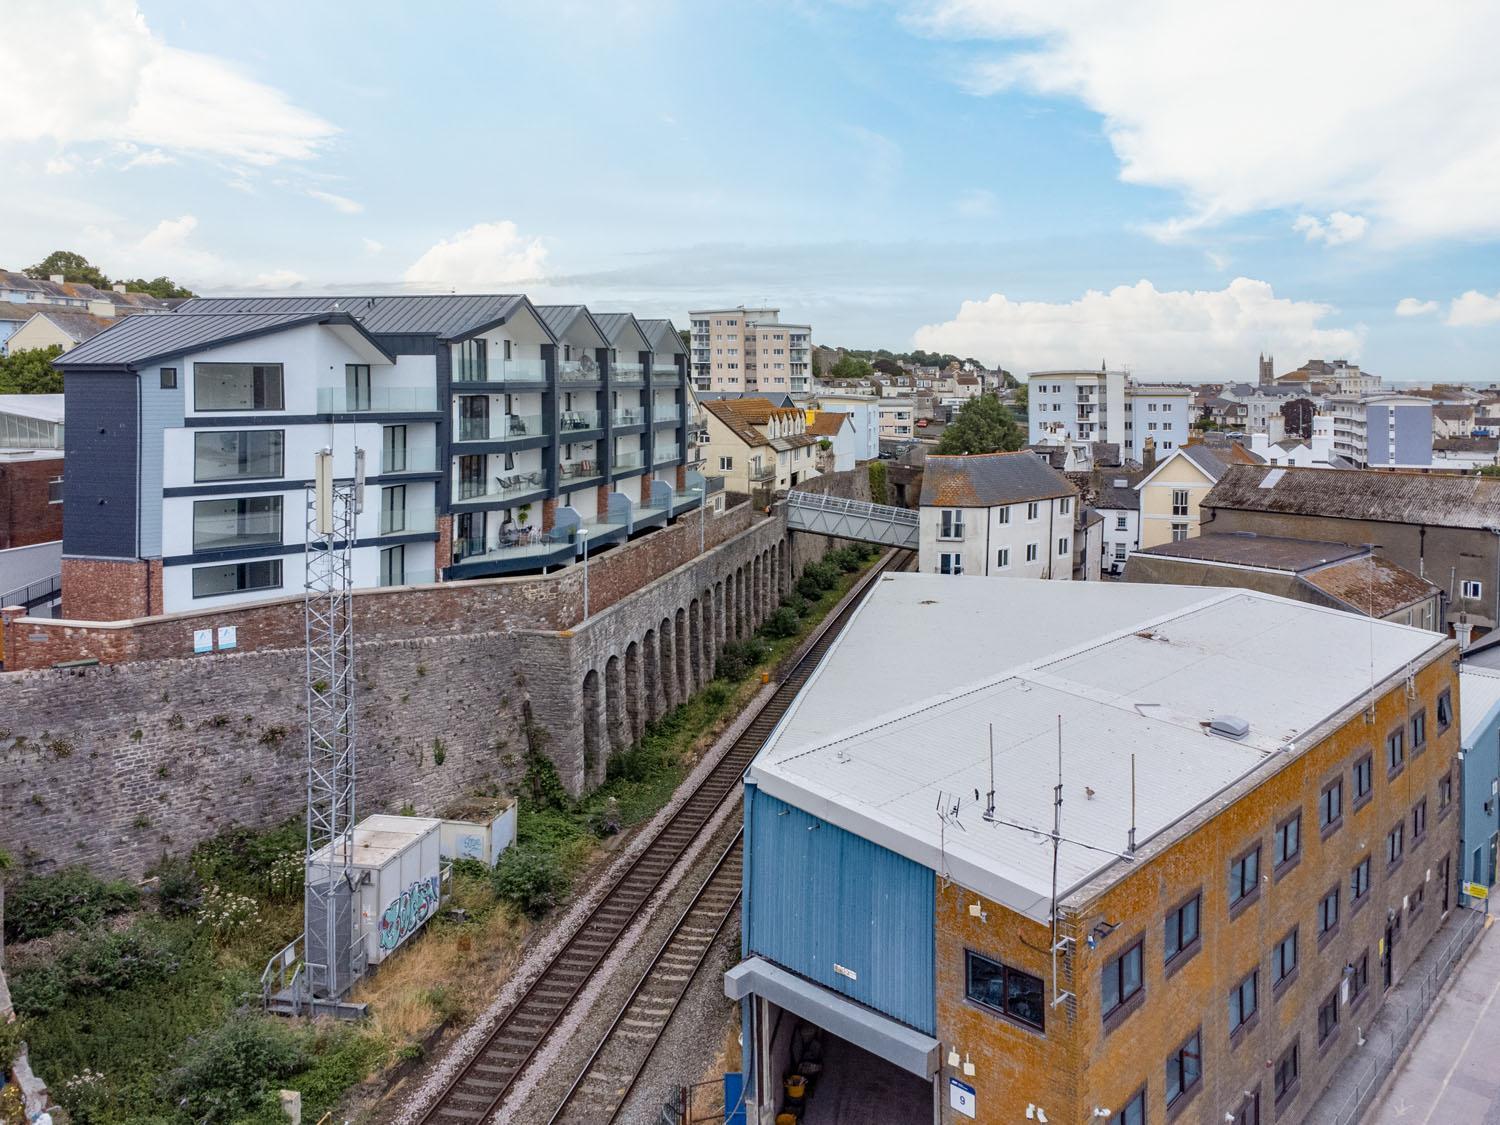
x: 333, y: 957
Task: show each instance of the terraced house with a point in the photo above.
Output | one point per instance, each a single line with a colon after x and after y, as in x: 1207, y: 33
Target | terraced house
x: 498, y: 437
x: 1143, y: 853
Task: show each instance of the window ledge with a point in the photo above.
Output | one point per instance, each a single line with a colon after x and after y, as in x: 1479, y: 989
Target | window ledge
x: 1332, y: 1038
x: 1279, y: 988
x: 1288, y: 1096
x: 1360, y: 802
x: 1358, y: 904
x: 1182, y: 957
x: 1123, y: 1011
x: 1239, y: 1033
x: 1330, y: 828
x: 1184, y: 1099
x: 1286, y: 866
x: 1327, y: 935
x: 1396, y: 771
x: 1241, y: 905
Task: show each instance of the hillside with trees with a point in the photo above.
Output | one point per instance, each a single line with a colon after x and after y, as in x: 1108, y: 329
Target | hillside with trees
x: 75, y: 267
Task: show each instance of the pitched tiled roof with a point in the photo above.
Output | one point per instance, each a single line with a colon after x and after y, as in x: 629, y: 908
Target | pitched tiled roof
x: 1271, y: 552
x: 827, y: 423
x: 1209, y: 460
x: 76, y: 324
x: 1433, y: 499
x: 984, y: 480
x: 725, y: 410
x: 1111, y: 489
x: 1371, y: 585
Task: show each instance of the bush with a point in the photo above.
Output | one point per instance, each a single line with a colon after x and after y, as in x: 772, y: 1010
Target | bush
x: 781, y: 624
x: 531, y: 878
x: 797, y: 604
x: 716, y: 694
x: 178, y: 888
x: 73, y: 898
x: 255, y: 863
x: 101, y: 962
x: 878, y: 485
x: 738, y: 658
x: 228, y: 1070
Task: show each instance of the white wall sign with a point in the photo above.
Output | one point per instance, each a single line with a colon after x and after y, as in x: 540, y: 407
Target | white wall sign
x: 228, y: 636
x: 961, y: 1097
x: 203, y: 640
x: 843, y: 972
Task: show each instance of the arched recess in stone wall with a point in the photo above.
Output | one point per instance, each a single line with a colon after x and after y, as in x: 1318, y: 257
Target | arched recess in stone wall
x: 614, y: 705
x: 681, y: 668
x: 710, y: 634
x: 666, y: 640
x: 720, y: 610
x: 695, y: 646
x: 651, y: 676
x: 593, y: 734
x: 635, y: 701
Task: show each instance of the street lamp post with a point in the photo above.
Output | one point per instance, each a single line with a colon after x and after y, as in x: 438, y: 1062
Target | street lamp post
x: 702, y: 516
x: 583, y: 533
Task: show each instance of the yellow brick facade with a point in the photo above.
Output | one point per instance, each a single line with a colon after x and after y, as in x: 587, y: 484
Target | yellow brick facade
x: 1083, y: 1061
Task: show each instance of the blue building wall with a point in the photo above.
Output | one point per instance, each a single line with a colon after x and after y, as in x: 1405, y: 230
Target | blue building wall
x: 816, y: 896
x: 1481, y: 808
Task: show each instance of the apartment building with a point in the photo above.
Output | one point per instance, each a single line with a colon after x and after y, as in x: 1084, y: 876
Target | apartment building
x: 1258, y: 836
x: 1005, y: 515
x: 864, y: 415
x: 498, y: 437
x: 745, y: 349
x: 1382, y: 430
x: 1067, y: 406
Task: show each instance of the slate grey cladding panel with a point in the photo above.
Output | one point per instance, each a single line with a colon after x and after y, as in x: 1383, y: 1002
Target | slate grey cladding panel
x: 102, y: 464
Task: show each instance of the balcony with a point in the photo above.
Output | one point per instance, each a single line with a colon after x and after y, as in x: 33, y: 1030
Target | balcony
x: 760, y: 473
x: 666, y: 453
x: 575, y: 421
x: 627, y: 373
x: 664, y: 368
x: 625, y: 462
x: 501, y: 427
x: 409, y: 577
x: 407, y: 521
x: 661, y: 415
x: 511, y: 486
x: 630, y: 416
x: 394, y: 461
x: 580, y: 469
x: 501, y: 371
x: 376, y: 400
x: 578, y: 371
x: 527, y: 548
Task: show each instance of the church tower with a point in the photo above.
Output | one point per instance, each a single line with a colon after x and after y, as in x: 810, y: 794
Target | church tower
x: 1267, y: 371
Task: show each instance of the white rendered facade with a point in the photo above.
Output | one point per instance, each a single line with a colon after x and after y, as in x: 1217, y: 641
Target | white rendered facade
x: 1108, y: 406
x: 864, y: 414
x: 1030, y: 539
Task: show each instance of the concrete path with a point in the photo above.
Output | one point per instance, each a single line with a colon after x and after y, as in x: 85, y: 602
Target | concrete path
x: 1451, y: 1073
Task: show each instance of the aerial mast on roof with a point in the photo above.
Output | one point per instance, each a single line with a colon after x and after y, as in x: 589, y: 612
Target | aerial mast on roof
x: 1065, y: 943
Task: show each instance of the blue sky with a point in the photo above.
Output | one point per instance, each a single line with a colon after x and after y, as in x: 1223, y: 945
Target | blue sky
x: 1039, y: 184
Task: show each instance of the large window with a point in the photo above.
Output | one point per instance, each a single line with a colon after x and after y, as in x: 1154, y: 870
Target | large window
x: 1359, y: 880
x: 237, y: 386
x: 1418, y: 727
x: 1395, y: 750
x: 1243, y: 1001
x: 1003, y: 989
x: 1287, y: 1072
x: 1328, y: 912
x: 952, y: 524
x: 393, y: 449
x: 1284, y: 959
x: 471, y: 480
x: 1364, y: 780
x: 238, y: 455
x: 1184, y: 1067
x: 1244, y: 876
x: 1287, y: 845
x: 241, y: 522
x: 235, y: 578
x: 1121, y: 980
x: 950, y: 564
x: 1331, y: 806
x: 1134, y: 1111
x: 1179, y: 502
x: 1445, y: 711
x: 1181, y: 928
x: 471, y: 362
x: 393, y: 509
x: 393, y: 566
x: 357, y: 386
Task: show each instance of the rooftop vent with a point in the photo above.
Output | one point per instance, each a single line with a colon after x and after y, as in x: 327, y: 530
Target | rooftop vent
x: 1229, y: 726
x: 1121, y: 482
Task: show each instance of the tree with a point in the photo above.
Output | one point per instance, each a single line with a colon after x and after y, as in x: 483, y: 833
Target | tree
x: 6, y: 863
x: 30, y: 372
x: 850, y: 367
x: 1022, y: 397
x: 982, y: 426
x: 1489, y: 470
x: 73, y: 267
x: 687, y: 339
x: 888, y: 367
x: 166, y: 288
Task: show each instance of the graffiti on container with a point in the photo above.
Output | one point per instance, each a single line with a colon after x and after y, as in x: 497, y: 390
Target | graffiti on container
x: 402, y: 917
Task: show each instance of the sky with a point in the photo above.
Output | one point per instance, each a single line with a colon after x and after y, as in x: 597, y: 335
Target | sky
x: 1165, y: 186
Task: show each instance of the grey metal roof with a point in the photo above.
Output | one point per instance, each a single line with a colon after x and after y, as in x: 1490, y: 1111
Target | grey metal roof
x: 134, y: 340
x: 618, y: 326
x: 1130, y: 678
x: 1206, y: 459
x: 663, y: 336
x: 1431, y: 499
x: 982, y: 480
x: 445, y: 316
x: 559, y: 318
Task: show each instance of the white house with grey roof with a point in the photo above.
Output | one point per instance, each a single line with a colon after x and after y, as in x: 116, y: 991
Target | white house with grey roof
x: 1005, y: 515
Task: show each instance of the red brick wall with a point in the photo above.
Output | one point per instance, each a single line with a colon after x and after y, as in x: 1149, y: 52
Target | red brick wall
x: 121, y: 630
x: 25, y: 515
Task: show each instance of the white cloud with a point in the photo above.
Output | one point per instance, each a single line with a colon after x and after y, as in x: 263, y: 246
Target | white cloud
x: 1196, y: 99
x: 114, y: 80
x: 1171, y: 334
x: 371, y: 246
x: 976, y: 203
x: 1217, y: 259
x: 484, y: 255
x: 277, y: 279
x: 1339, y: 227
x: 337, y: 202
x: 61, y: 165
x: 1410, y: 306
x: 150, y: 158
x: 1474, y: 309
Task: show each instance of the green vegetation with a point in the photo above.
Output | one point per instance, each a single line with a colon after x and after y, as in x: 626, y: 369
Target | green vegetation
x: 75, y: 267
x: 30, y: 372
x: 879, y: 483
x: 850, y: 367
x: 40, y: 905
x: 982, y: 425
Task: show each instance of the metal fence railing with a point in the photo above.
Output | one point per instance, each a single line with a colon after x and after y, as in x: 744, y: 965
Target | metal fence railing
x: 1395, y: 1023
x: 822, y: 502
x: 42, y: 590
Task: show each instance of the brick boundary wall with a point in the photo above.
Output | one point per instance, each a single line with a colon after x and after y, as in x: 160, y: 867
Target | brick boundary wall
x: 552, y: 601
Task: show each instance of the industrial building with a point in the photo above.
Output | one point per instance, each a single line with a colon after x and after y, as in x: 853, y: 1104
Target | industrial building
x: 1095, y: 850
x: 499, y: 437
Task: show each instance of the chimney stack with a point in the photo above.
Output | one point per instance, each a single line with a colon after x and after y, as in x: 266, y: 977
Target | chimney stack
x: 1148, y: 454
x: 56, y: 279
x: 118, y: 287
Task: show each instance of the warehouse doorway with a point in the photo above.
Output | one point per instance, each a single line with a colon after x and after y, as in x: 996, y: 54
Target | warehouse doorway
x: 843, y: 1084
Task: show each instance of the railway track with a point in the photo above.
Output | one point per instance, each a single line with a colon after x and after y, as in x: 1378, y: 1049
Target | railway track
x: 476, y: 1090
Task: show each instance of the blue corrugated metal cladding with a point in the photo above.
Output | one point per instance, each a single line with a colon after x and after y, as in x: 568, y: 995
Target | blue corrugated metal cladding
x: 819, y: 896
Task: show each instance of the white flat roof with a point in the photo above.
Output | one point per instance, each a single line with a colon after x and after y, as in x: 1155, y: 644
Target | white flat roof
x: 1478, y: 692
x: 380, y: 838
x: 895, y: 724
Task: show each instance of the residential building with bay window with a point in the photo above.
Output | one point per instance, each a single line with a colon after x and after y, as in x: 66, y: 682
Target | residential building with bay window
x: 498, y: 437
x: 1258, y: 838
